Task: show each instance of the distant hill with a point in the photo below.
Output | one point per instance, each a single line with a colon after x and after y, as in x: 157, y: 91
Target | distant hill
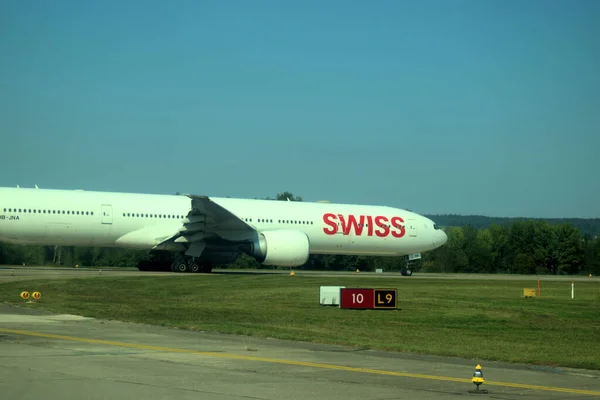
x: 587, y: 226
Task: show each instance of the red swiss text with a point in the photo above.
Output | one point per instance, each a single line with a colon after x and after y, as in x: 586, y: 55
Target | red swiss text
x: 364, y: 225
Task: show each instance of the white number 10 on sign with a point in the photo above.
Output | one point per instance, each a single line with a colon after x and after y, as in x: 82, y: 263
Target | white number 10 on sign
x: 357, y: 298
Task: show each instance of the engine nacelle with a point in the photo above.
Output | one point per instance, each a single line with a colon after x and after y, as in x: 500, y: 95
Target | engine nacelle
x: 285, y: 248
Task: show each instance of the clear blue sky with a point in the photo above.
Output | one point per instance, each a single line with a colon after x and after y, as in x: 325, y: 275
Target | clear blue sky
x: 449, y: 106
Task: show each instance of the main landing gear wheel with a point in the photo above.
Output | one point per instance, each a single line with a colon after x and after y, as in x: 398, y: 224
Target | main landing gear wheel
x: 181, y: 267
x: 193, y: 267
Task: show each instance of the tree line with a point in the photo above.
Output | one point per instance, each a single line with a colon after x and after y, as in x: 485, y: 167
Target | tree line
x: 518, y: 246
x: 587, y: 226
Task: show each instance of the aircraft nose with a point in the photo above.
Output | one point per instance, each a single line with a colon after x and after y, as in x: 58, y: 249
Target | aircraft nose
x: 443, y: 237
x: 439, y: 238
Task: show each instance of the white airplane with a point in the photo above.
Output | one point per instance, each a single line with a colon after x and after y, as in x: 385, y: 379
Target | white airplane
x: 203, y: 231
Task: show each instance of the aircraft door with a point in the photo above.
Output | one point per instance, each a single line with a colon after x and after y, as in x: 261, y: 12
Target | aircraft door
x: 412, y: 228
x: 107, y: 214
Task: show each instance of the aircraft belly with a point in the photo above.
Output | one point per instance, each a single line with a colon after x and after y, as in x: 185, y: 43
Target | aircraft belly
x: 75, y: 234
x: 16, y: 231
x: 60, y: 233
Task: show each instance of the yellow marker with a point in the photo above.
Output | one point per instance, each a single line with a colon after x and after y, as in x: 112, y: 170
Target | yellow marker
x: 292, y: 273
x: 24, y: 295
x: 12, y: 272
x: 36, y: 295
x: 478, y: 378
x: 357, y: 270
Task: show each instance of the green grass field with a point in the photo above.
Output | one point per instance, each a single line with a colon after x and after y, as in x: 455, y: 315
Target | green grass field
x: 478, y: 319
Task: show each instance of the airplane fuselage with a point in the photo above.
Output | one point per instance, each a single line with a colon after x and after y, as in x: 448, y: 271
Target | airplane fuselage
x: 148, y: 221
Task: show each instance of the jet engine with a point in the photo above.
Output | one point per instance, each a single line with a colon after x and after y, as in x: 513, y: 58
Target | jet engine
x: 285, y: 248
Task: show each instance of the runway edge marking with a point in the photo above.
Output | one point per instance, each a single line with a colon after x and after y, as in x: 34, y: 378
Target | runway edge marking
x: 295, y: 363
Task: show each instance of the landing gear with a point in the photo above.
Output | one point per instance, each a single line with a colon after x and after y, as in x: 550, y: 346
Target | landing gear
x: 193, y: 267
x: 182, y: 264
x: 179, y: 266
x: 407, y: 270
x: 164, y: 261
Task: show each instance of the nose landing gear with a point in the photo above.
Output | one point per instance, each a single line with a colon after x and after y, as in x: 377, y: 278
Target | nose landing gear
x: 411, y: 260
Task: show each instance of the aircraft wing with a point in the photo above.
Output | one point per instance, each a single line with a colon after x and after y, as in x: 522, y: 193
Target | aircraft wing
x: 209, y: 220
x: 217, y: 218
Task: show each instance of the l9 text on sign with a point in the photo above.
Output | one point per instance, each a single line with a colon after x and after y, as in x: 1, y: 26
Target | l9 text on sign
x: 386, y: 298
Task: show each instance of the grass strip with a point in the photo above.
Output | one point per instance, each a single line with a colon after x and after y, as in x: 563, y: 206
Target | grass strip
x: 481, y: 320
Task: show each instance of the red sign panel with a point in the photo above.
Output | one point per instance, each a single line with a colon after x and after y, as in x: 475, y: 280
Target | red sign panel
x: 356, y: 298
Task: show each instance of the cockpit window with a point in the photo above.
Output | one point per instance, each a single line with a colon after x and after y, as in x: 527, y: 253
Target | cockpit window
x: 435, y: 226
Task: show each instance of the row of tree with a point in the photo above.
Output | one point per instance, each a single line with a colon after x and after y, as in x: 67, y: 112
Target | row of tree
x: 587, y: 226
x: 519, y: 246
x: 523, y: 247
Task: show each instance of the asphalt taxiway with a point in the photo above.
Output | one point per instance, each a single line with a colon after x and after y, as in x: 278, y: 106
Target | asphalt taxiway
x: 68, y: 357
x: 11, y: 273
